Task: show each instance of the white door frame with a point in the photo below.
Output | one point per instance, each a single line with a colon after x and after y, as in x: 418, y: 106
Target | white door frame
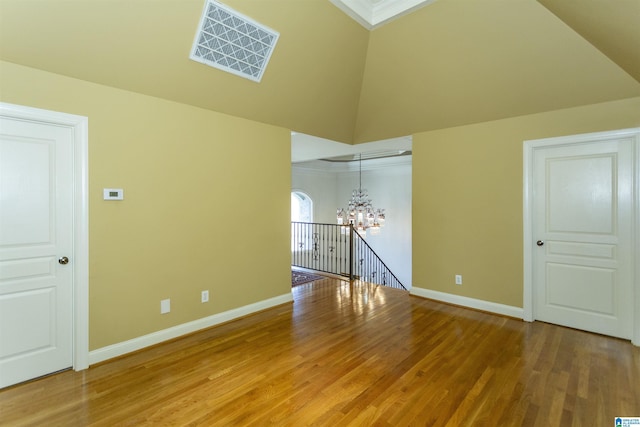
x: 529, y: 148
x: 80, y: 260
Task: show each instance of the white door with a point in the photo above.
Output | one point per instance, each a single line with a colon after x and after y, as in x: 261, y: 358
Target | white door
x: 36, y: 233
x: 582, y: 225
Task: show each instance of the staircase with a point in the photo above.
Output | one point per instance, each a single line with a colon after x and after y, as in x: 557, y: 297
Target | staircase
x: 340, y: 250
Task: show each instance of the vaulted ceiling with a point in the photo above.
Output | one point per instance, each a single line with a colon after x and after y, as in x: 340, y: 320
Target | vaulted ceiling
x: 450, y: 63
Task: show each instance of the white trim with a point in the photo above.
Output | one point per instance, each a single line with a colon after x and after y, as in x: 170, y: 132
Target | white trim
x: 478, y: 304
x: 319, y: 166
x: 306, y: 147
x: 635, y: 333
x: 374, y: 14
x: 119, y: 349
x: 80, y: 126
x: 527, y: 197
x: 528, y: 154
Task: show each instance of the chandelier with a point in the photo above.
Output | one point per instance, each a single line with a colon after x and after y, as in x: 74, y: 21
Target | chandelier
x: 360, y: 212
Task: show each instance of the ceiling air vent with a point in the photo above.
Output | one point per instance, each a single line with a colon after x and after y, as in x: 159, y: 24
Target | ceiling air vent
x: 230, y: 41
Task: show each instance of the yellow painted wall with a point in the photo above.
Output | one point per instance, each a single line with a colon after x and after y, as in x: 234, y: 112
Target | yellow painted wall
x: 457, y: 62
x: 206, y: 204
x: 311, y: 84
x: 468, y: 197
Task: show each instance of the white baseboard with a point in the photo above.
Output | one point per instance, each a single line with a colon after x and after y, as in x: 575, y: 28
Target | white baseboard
x: 119, y: 349
x: 478, y: 304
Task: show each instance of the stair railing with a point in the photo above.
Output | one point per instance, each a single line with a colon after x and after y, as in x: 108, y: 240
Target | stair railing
x: 340, y: 250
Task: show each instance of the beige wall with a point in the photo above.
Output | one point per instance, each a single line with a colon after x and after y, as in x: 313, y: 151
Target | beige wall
x: 206, y: 204
x: 465, y: 61
x: 190, y: 175
x: 467, y: 197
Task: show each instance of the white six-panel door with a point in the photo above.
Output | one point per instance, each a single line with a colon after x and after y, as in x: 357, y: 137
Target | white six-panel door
x: 36, y: 234
x: 581, y: 242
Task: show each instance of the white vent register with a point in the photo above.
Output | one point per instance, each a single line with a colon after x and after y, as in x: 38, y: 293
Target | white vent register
x: 232, y: 42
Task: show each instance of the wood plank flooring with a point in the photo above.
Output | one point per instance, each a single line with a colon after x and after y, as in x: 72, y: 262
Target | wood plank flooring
x: 349, y: 355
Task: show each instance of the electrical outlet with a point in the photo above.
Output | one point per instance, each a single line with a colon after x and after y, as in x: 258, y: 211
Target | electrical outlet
x: 165, y: 306
x: 204, y: 296
x: 458, y: 279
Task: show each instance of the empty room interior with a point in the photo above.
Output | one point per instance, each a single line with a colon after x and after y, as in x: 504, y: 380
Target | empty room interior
x: 149, y: 155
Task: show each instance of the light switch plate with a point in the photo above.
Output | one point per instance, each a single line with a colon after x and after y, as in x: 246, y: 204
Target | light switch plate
x: 165, y: 306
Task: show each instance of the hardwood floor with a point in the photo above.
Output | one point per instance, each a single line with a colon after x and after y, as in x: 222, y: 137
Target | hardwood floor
x: 356, y: 355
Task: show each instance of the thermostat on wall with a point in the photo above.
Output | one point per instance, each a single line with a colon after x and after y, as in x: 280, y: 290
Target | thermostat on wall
x: 113, y: 193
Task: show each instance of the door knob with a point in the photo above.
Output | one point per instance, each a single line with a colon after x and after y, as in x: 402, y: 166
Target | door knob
x: 63, y: 260
x: 540, y: 242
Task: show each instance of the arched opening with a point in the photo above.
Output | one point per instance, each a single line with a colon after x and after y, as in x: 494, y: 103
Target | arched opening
x: 301, y: 211
x: 301, y: 207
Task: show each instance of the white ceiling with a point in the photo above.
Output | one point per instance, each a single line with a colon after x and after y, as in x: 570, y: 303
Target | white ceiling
x: 372, y: 14
x: 307, y: 147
